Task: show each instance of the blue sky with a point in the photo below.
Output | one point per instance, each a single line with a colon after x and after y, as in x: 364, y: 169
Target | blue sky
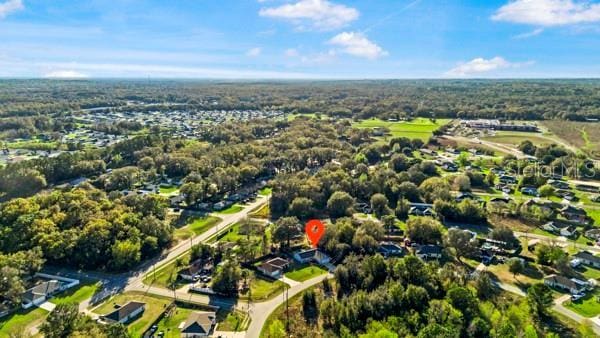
x: 300, y: 38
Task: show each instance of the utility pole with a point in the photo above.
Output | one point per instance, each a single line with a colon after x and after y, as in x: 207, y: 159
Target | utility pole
x: 287, y: 311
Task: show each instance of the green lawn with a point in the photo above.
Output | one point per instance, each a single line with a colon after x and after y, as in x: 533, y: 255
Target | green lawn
x: 166, y: 274
x: 265, y: 191
x: 233, y: 234
x: 21, y: 322
x: 196, y: 227
x: 232, y: 321
x: 589, y: 272
x: 263, y: 289
x: 154, y: 307
x: 76, y: 294
x: 169, y: 324
x: 234, y: 209
x: 420, y: 128
x: 587, y: 306
x: 168, y: 189
x: 304, y: 273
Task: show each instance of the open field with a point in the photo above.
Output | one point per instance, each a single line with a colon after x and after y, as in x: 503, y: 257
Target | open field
x: 419, y: 128
x: 166, y: 275
x: 154, y: 307
x: 306, y: 272
x: 196, y: 227
x: 236, y: 232
x: 514, y: 138
x: 583, y: 135
x: 234, y: 209
x: 263, y: 289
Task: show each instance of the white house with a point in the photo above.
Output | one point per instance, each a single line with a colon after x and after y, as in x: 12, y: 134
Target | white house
x: 311, y: 255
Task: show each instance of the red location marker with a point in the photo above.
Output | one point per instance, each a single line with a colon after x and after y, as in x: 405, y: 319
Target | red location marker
x: 314, y: 230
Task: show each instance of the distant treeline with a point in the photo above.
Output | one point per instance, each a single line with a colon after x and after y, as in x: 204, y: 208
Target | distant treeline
x: 513, y: 99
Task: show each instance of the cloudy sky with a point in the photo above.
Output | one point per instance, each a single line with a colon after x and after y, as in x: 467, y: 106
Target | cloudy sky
x: 300, y: 38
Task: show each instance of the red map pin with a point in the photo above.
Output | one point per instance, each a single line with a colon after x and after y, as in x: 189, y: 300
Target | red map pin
x: 314, y: 230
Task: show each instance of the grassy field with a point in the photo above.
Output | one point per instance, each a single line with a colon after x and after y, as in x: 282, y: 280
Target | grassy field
x: 265, y: 191
x: 420, y: 128
x: 587, y: 306
x: 168, y: 189
x: 261, y: 212
x: 530, y: 276
x: 21, y: 322
x: 233, y: 234
x: 232, y: 321
x: 263, y: 289
x: 154, y: 307
x: 514, y: 138
x: 234, y: 209
x: 583, y: 135
x: 196, y: 227
x: 77, y: 294
x: 306, y: 272
x: 166, y: 274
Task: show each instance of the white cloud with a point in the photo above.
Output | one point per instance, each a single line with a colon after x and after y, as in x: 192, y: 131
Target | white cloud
x: 9, y: 7
x: 319, y: 58
x: 357, y: 44
x: 481, y: 66
x: 531, y: 34
x: 319, y: 14
x: 254, y: 52
x: 549, y: 12
x: 65, y: 74
x: 291, y: 52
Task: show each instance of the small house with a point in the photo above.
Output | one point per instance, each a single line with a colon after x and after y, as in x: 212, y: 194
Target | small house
x: 573, y: 286
x: 588, y: 258
x: 40, y: 293
x: 593, y: 234
x: 198, y: 324
x: 561, y: 228
x: 574, y: 214
x: 274, y: 267
x: 391, y: 249
x: 124, y: 314
x: 311, y: 255
x: 429, y: 252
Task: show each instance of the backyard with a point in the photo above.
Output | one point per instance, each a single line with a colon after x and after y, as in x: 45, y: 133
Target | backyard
x: 154, y: 307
